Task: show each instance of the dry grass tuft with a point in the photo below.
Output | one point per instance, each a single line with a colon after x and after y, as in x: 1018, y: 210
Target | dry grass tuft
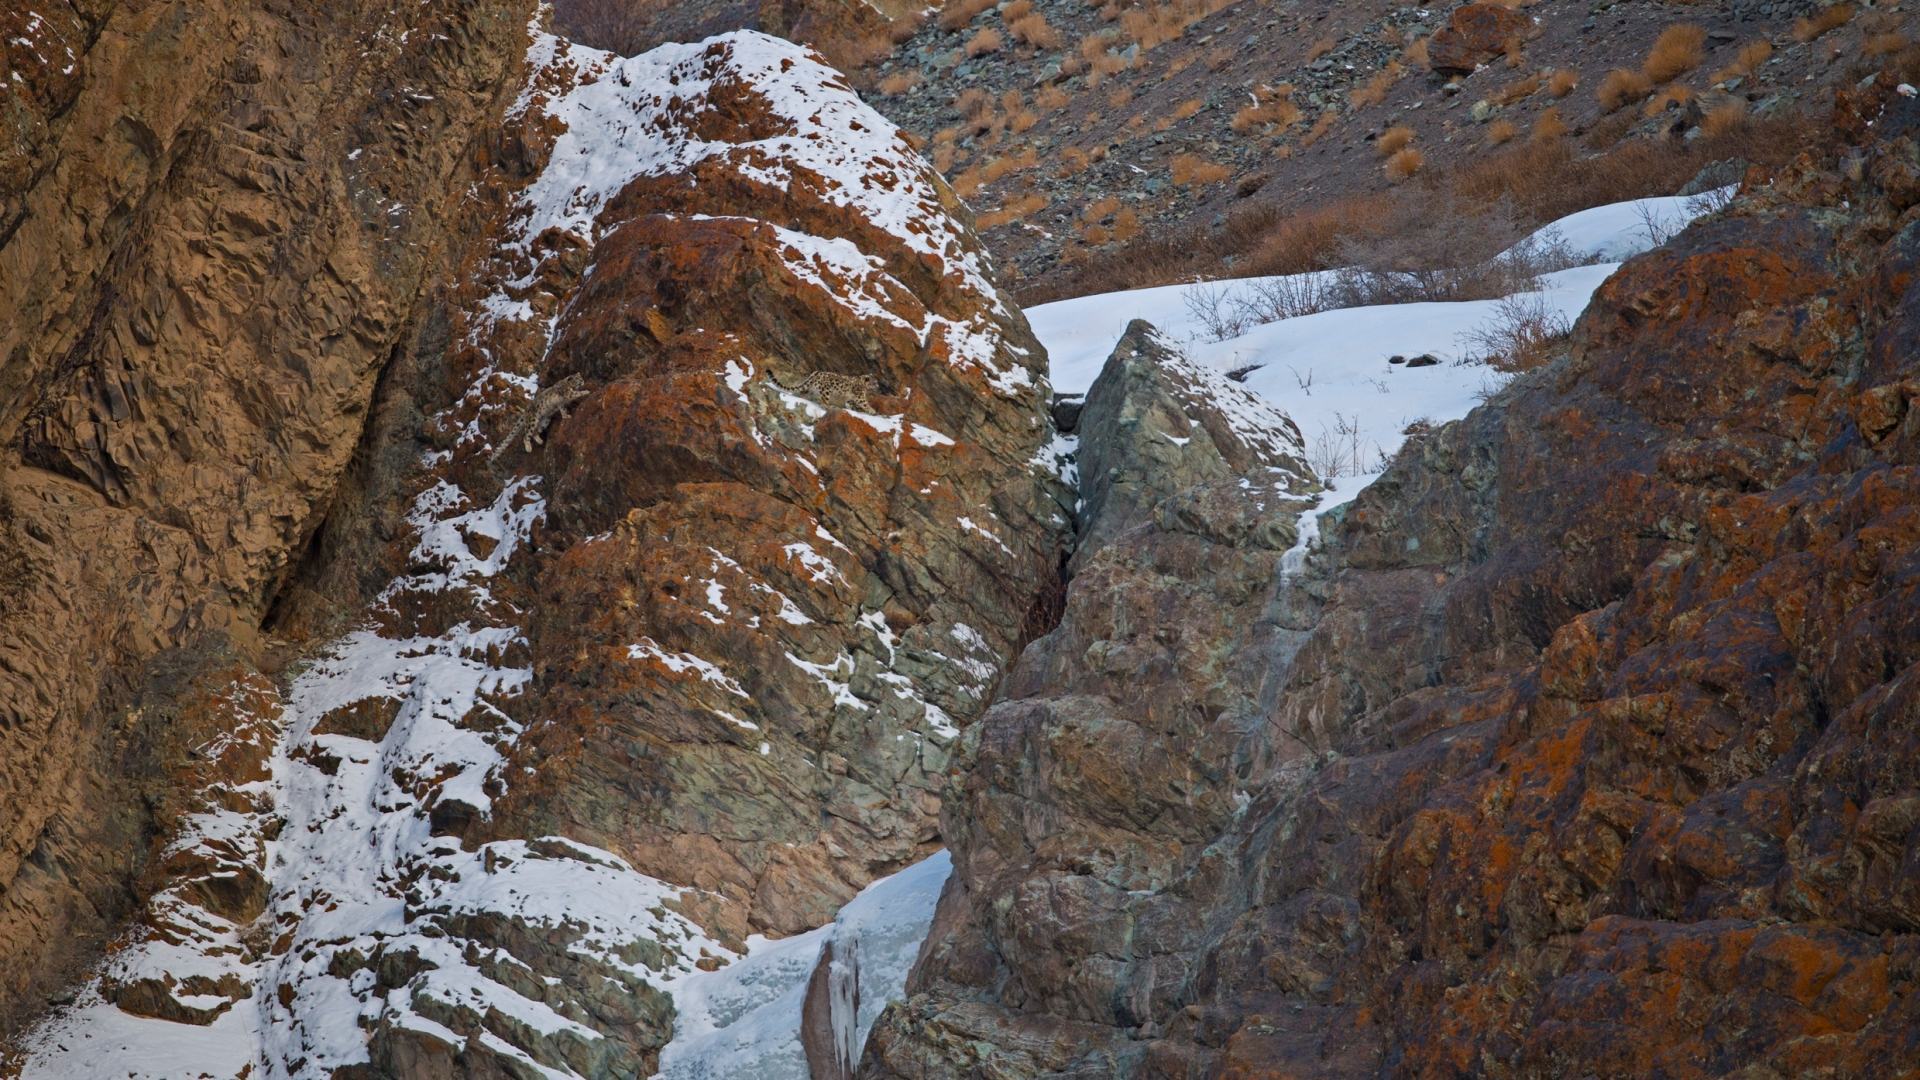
x: 1548, y: 127
x: 1321, y: 127
x: 1724, y: 119
x: 1319, y: 49
x: 1033, y: 29
x: 1888, y: 43
x: 1562, y: 82
x: 1517, y: 91
x: 1822, y: 22
x: 1393, y: 140
x: 1746, y: 63
x: 1050, y: 99
x: 1675, y: 52
x: 1501, y: 132
x: 1375, y: 90
x: 1192, y: 171
x: 1405, y: 164
x: 958, y: 13
x: 1622, y: 88
x: 900, y: 82
x: 1272, y: 107
x: 1671, y: 98
x: 1416, y: 54
x: 987, y: 40
x: 1017, y: 210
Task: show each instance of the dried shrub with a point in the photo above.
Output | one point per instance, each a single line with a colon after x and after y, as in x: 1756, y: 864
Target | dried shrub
x: 1321, y: 127
x: 1271, y: 107
x: 1548, y: 126
x: 1022, y: 120
x: 1822, y: 22
x: 1501, y: 132
x: 958, y: 13
x: 1746, y: 63
x: 1671, y: 98
x: 1190, y: 170
x: 1405, y: 164
x: 1050, y: 99
x: 1887, y: 43
x: 1033, y: 29
x: 1724, y: 119
x: 1004, y: 166
x: 1126, y: 225
x: 1119, y: 97
x: 1621, y: 88
x: 986, y: 40
x: 1319, y: 49
x: 1562, y: 82
x: 1523, y: 334
x: 1675, y: 52
x: 1416, y: 54
x: 1517, y: 91
x: 1188, y: 109
x: 1017, y: 210
x: 1100, y: 208
x: 900, y: 82
x: 1393, y: 140
x: 1376, y: 88
x: 1518, y: 187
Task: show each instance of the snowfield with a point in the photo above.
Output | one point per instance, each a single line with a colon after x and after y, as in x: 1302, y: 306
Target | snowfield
x: 1330, y: 372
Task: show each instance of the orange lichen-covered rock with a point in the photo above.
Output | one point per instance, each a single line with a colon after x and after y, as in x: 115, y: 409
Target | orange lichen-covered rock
x: 1474, y: 35
x: 1599, y: 750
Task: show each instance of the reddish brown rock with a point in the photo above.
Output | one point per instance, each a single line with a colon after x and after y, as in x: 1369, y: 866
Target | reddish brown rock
x: 216, y: 222
x: 1475, y: 34
x: 1599, y: 754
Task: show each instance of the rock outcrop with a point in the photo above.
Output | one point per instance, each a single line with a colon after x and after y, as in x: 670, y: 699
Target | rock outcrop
x: 217, y: 224
x: 655, y: 654
x: 1126, y: 741
x: 1594, y: 752
x: 1475, y: 34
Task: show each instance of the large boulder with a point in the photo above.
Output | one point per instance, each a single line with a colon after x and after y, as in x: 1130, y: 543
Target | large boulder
x: 1475, y: 34
x: 1124, y: 741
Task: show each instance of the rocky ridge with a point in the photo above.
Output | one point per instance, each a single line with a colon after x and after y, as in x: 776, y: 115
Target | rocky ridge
x: 1589, y: 748
x: 668, y: 659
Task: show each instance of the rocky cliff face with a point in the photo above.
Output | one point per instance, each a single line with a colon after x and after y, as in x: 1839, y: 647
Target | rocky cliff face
x: 1583, y: 745
x: 217, y: 222
x: 697, y: 481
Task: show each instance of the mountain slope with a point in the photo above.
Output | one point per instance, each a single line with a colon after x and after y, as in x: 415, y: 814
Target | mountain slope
x: 1585, y: 742
x: 719, y: 531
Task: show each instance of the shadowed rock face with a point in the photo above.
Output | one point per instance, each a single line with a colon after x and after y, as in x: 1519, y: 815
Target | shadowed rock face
x: 1597, y: 753
x: 217, y: 221
x: 1124, y: 741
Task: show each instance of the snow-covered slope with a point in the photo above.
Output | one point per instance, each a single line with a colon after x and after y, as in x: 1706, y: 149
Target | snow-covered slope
x: 1330, y: 372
